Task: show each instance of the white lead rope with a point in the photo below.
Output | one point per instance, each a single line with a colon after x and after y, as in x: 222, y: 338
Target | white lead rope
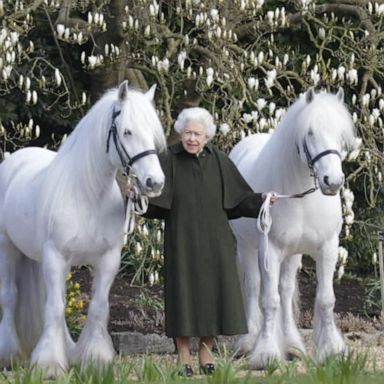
x: 137, y: 204
x: 264, y: 220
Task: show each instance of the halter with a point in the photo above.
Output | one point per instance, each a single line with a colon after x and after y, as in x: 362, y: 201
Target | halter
x: 126, y: 160
x: 311, y: 161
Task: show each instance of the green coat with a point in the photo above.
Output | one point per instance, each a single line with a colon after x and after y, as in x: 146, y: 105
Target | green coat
x: 202, y: 289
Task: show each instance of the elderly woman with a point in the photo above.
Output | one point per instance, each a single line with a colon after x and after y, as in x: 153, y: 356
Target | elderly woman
x: 203, y: 190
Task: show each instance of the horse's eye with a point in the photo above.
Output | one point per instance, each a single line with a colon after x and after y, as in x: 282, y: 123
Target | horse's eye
x: 127, y: 132
x: 310, y: 132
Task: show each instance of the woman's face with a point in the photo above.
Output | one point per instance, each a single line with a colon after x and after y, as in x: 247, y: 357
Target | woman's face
x: 194, y: 137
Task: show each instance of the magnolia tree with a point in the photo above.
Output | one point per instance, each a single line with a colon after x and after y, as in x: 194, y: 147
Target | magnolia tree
x: 244, y: 60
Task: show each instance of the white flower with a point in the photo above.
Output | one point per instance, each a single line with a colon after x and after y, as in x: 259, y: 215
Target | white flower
x: 271, y: 76
x: 260, y: 57
x: 60, y: 30
x: 37, y: 131
x: 251, y: 83
x: 365, y: 100
x: 315, y: 77
x: 210, y: 71
x: 343, y: 255
x: 352, y: 76
x: 58, y: 77
x: 181, y: 59
x: 34, y: 97
x: 224, y: 128
x: 340, y: 272
x: 341, y: 72
x: 214, y: 14
x: 322, y: 33
x: 374, y: 258
x: 209, y: 80
x: 260, y: 103
x: 271, y: 107
x: 375, y: 113
x: 247, y: 118
x: 349, y: 218
x: 262, y: 123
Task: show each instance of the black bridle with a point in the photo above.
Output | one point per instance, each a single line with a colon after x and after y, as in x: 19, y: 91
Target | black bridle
x: 312, y: 160
x: 126, y: 160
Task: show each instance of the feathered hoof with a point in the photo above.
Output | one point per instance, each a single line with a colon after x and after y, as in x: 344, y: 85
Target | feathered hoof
x: 9, y: 355
x: 50, y: 370
x: 244, y: 344
x: 261, y: 361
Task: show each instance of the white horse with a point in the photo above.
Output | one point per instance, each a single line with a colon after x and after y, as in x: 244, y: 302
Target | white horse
x: 63, y: 209
x: 306, y: 148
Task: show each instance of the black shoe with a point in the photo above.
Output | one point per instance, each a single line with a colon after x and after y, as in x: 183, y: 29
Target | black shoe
x: 207, y: 369
x: 186, y: 371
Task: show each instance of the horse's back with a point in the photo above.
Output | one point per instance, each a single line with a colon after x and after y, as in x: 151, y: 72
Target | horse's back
x: 19, y: 174
x: 245, y: 153
x: 31, y: 159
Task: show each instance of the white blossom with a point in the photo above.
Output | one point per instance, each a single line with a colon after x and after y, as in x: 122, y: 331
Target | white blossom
x: 34, y: 97
x: 58, y: 77
x: 92, y: 60
x: 352, y: 76
x: 60, y: 30
x: 225, y: 128
x: 260, y: 103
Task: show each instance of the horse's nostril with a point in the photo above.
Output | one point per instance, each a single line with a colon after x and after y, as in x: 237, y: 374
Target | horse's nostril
x: 326, y: 180
x: 149, y: 183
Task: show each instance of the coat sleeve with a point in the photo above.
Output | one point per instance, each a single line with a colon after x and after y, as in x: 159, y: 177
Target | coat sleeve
x: 159, y: 206
x: 239, y: 198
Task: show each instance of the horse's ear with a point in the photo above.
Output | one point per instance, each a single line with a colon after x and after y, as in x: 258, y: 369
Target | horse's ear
x: 340, y: 94
x: 150, y: 94
x: 123, y: 90
x: 310, y: 95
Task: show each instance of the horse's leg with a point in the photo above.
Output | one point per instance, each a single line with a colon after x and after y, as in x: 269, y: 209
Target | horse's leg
x: 50, y: 353
x: 9, y: 342
x: 250, y: 277
x: 95, y: 344
x: 327, y: 337
x: 269, y: 342
x: 288, y: 290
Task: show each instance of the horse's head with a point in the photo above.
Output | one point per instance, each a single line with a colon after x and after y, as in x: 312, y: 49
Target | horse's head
x: 326, y: 137
x: 136, y: 135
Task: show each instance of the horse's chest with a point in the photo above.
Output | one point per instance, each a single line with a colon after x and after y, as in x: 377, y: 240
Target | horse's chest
x: 93, y: 232
x: 300, y: 227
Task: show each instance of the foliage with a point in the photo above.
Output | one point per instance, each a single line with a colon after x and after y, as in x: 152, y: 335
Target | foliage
x: 348, y: 369
x: 75, y: 304
x: 244, y: 60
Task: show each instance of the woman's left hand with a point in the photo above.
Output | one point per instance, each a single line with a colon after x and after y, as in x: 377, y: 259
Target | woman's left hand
x: 274, y: 196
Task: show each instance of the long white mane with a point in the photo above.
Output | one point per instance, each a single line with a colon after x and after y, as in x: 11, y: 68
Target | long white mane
x: 73, y: 172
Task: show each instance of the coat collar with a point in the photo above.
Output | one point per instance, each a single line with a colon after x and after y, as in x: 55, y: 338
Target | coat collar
x: 178, y: 148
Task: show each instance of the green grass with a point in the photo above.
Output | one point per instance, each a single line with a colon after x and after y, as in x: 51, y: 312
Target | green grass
x: 347, y: 369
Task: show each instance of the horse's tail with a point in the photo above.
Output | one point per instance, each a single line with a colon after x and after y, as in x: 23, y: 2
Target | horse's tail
x: 30, y: 302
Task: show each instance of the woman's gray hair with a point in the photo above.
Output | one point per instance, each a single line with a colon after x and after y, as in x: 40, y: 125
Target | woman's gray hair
x: 199, y: 115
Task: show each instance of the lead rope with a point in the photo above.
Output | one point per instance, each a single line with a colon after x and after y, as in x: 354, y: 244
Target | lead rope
x: 264, y: 220
x: 137, y: 204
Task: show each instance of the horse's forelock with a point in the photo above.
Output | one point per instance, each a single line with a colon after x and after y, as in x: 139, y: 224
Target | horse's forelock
x: 142, y: 110
x: 325, y: 114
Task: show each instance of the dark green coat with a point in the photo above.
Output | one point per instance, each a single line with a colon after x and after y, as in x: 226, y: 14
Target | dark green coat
x: 202, y: 289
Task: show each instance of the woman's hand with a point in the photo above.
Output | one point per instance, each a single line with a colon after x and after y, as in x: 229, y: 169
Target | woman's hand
x: 274, y: 196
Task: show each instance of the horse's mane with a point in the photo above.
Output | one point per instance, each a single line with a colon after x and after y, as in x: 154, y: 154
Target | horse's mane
x: 326, y: 114
x: 74, y: 172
